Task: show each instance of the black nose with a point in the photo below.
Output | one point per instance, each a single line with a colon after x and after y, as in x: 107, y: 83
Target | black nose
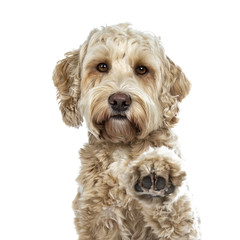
x: 120, y: 102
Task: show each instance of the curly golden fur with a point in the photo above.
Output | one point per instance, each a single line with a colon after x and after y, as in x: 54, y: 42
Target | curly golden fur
x: 132, y: 184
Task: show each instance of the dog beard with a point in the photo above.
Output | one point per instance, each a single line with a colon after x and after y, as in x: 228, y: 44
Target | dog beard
x: 119, y: 130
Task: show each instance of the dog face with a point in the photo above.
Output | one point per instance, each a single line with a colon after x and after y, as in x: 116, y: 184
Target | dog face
x: 122, y: 84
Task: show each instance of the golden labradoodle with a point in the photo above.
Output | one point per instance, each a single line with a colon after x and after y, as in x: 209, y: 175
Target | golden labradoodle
x: 131, y: 184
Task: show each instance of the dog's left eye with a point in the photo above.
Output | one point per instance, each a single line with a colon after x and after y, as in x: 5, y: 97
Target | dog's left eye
x: 102, y: 67
x: 141, y: 70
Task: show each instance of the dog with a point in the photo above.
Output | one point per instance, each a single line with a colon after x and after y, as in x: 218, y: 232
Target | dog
x: 132, y: 183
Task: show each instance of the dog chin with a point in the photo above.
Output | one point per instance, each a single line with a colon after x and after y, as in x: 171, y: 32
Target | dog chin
x: 119, y: 129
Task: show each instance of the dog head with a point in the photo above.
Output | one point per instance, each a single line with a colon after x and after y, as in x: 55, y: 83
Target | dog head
x: 122, y: 83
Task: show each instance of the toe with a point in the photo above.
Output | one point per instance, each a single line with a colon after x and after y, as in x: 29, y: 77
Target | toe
x: 160, y: 183
x: 170, y: 189
x: 138, y: 188
x: 147, y: 182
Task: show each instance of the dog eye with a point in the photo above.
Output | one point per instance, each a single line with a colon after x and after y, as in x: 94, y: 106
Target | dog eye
x: 141, y: 70
x: 102, y: 67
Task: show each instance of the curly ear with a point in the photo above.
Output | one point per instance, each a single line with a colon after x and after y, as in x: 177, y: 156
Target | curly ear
x: 179, y: 84
x: 175, y: 87
x: 66, y: 78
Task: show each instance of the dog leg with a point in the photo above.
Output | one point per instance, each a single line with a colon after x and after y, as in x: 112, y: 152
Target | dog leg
x: 111, y: 223
x: 95, y: 220
x: 157, y: 181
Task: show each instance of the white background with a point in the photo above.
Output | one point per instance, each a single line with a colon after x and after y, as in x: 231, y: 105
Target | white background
x: 39, y: 154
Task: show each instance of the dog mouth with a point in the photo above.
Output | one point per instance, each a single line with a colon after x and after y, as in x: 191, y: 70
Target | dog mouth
x: 117, y: 127
x: 123, y: 118
x: 119, y: 117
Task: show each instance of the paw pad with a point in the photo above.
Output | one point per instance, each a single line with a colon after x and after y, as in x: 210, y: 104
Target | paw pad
x: 147, y: 182
x: 155, y: 186
x: 160, y: 183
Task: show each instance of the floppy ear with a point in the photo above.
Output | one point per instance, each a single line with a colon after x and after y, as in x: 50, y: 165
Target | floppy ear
x: 66, y: 78
x: 175, y: 87
x: 179, y: 84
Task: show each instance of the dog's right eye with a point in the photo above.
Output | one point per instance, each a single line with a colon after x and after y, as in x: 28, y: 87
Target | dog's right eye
x: 102, y: 67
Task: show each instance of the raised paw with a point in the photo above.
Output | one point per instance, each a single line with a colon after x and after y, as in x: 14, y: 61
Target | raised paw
x: 157, y: 174
x: 154, y: 186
